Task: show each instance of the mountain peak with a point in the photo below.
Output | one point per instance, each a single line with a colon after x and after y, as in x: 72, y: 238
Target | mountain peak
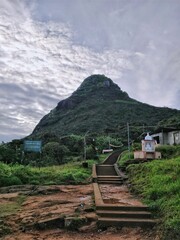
x: 95, y: 82
x: 95, y: 86
x: 99, y: 106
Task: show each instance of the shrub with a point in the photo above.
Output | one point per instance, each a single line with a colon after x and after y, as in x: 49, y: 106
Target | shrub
x: 22, y: 172
x: 55, y: 151
x: 169, y: 151
x: 9, y: 181
x: 124, y: 157
x: 158, y: 182
x: 64, y: 174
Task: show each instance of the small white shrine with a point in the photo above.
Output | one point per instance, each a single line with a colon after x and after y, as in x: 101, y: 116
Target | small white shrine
x: 148, y: 149
x: 148, y: 144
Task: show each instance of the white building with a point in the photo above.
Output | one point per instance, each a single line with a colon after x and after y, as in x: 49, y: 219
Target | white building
x: 167, y: 136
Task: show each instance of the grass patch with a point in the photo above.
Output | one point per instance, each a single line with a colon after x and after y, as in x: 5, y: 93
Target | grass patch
x: 169, y: 151
x: 125, y: 156
x: 8, y: 208
x: 4, y: 230
x: 158, y: 183
x: 11, y: 207
x: 70, y: 173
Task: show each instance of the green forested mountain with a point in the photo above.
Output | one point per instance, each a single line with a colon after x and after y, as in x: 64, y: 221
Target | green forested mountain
x: 99, y: 106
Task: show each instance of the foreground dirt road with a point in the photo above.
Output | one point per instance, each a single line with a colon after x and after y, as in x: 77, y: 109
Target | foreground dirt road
x: 110, y: 234
x: 43, y: 204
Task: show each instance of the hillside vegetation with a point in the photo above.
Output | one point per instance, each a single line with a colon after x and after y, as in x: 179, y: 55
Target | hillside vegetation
x: 56, y: 151
x: 158, y: 184
x: 71, y: 173
x: 100, y: 106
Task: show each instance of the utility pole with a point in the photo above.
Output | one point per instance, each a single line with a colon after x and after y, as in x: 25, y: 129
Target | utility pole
x: 84, y: 148
x: 128, y: 139
x: 143, y: 128
x: 85, y: 145
x: 109, y: 141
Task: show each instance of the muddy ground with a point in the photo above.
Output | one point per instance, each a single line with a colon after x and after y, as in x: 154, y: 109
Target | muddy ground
x: 62, y: 212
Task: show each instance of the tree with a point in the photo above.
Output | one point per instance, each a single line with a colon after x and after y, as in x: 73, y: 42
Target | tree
x: 74, y: 143
x: 7, y: 154
x: 54, y: 152
x: 102, y: 142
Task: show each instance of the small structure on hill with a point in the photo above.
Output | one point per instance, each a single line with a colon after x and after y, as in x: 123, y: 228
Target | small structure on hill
x: 148, y: 149
x: 167, y: 136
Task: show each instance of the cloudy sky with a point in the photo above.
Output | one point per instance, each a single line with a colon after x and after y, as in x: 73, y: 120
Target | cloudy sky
x: 48, y: 47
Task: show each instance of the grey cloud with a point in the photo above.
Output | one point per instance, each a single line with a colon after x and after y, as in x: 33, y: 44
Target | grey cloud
x: 115, y: 23
x: 44, y: 58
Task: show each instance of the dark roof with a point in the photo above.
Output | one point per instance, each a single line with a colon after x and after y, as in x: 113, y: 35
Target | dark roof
x: 165, y: 129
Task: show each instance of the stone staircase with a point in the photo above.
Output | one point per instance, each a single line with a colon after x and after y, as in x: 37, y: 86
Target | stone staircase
x: 113, y: 214
x: 112, y: 159
x: 109, y: 179
x: 105, y: 170
x: 106, y: 174
x: 120, y: 216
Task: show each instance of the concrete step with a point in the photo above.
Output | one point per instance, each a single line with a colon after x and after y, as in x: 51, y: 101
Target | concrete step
x: 110, y: 177
x: 105, y: 165
x: 123, y: 214
x: 126, y: 222
x: 109, y: 182
x: 105, y: 170
x: 112, y: 207
x: 112, y: 159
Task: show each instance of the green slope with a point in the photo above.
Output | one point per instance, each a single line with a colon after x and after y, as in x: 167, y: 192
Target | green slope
x: 158, y: 183
x: 100, y: 106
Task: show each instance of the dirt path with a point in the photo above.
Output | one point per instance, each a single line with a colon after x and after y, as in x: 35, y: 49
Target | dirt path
x: 118, y: 194
x: 48, y: 202
x: 110, y: 234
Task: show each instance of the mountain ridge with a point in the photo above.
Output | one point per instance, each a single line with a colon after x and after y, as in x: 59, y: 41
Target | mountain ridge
x: 99, y: 105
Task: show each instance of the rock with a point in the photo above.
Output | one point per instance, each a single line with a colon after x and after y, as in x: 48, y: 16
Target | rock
x: 45, y: 190
x: 74, y: 223
x: 27, y: 220
x: 89, y: 209
x: 50, y: 223
x: 88, y: 228
x: 35, y: 214
x: 91, y: 217
x: 50, y: 203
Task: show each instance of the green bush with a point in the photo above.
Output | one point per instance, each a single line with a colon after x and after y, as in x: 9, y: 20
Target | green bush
x: 9, y: 181
x: 158, y: 182
x: 68, y: 177
x: 169, y: 151
x: 54, y: 153
x: 5, y: 170
x: 22, y: 173
x: 136, y: 146
x: 65, y: 174
x: 102, y: 142
x: 7, y: 154
x: 124, y: 157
